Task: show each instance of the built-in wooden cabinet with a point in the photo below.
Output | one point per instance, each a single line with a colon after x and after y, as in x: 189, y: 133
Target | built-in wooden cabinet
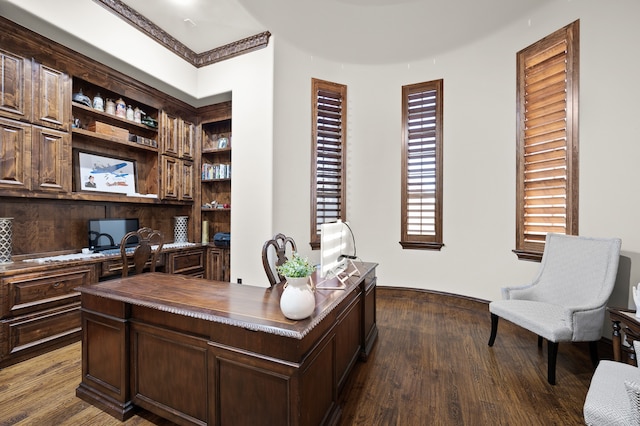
x: 15, y: 86
x: 15, y: 155
x: 50, y: 155
x: 177, y: 144
x: 34, y: 120
x: 43, y: 133
x: 51, y: 100
x: 177, y: 178
x: 218, y: 264
x: 40, y: 310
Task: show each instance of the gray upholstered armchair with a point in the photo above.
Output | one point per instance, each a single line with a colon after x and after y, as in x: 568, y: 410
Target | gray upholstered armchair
x: 614, y: 394
x: 567, y: 299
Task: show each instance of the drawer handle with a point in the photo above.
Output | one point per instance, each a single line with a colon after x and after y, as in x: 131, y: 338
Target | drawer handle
x: 58, y: 284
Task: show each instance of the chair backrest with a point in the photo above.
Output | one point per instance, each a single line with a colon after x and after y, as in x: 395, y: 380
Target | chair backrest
x: 577, y: 271
x: 147, y: 250
x: 274, y: 253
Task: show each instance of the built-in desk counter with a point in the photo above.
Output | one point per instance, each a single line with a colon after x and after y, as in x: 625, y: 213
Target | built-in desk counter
x: 40, y: 308
x: 209, y: 352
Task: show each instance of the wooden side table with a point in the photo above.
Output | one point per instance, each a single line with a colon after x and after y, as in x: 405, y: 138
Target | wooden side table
x: 625, y: 320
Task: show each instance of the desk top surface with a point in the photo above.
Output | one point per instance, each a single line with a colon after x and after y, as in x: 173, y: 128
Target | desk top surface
x: 250, y: 307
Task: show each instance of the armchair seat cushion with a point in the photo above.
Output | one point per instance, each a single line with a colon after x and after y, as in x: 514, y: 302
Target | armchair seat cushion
x: 607, y: 402
x: 544, y: 319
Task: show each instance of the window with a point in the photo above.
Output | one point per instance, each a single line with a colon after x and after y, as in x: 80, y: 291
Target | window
x: 422, y: 166
x: 328, y: 150
x: 547, y: 140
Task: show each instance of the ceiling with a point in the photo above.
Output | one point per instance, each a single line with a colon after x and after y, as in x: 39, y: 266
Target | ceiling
x: 349, y: 31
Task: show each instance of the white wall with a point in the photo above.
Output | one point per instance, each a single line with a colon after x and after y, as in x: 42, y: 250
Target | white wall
x: 250, y: 80
x: 479, y: 150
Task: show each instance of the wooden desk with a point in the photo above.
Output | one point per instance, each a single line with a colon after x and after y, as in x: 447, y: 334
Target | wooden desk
x: 210, y: 352
x: 625, y: 320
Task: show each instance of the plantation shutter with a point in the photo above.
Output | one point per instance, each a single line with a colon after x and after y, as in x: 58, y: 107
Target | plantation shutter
x: 328, y: 147
x: 548, y: 140
x: 422, y: 165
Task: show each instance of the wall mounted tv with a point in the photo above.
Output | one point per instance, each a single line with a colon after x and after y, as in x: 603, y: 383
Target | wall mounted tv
x: 106, y: 234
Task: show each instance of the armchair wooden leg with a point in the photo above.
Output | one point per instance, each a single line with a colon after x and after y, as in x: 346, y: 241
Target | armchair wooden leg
x: 593, y: 352
x: 494, y: 329
x: 552, y: 348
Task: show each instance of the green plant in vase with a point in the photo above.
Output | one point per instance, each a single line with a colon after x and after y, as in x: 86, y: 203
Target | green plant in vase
x: 296, y: 267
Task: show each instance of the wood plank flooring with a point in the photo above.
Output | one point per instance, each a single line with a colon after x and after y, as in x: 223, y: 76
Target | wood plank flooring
x: 430, y: 366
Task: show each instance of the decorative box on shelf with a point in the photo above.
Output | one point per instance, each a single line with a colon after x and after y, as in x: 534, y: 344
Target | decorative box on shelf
x: 143, y: 141
x: 109, y: 130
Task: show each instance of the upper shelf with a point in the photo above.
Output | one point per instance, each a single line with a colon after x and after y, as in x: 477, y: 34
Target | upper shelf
x: 112, y: 119
x: 112, y: 139
x: 216, y: 150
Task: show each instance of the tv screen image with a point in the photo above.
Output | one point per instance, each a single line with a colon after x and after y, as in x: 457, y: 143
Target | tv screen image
x: 106, y: 234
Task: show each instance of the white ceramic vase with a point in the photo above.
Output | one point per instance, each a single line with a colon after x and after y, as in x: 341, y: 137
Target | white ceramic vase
x: 298, y: 300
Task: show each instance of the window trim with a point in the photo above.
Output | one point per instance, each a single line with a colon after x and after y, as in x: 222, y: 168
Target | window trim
x: 341, y: 89
x: 423, y: 242
x: 570, y: 34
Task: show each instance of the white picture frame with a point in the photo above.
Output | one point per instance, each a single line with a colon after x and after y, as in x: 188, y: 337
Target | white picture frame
x: 101, y: 173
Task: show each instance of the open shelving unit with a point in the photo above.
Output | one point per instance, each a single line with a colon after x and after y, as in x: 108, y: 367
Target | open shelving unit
x: 101, y: 133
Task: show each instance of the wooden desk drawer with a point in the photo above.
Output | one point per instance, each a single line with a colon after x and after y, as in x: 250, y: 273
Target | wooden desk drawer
x: 32, y: 332
x: 31, y: 292
x: 188, y: 262
x: 113, y: 266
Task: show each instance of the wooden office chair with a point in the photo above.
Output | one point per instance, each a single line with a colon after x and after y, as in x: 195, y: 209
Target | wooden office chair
x: 271, y: 260
x: 143, y: 252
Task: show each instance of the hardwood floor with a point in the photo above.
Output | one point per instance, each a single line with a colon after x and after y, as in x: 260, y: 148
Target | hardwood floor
x: 430, y: 366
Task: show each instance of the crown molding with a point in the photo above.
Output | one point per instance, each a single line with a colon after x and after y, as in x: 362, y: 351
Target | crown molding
x: 198, y: 60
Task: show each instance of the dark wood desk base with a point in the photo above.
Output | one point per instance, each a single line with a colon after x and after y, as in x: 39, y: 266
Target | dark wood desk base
x: 203, y: 352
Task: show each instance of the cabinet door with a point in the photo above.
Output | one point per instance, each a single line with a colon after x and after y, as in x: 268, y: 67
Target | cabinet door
x: 169, y: 178
x: 51, y: 97
x: 15, y: 155
x: 15, y: 86
x: 169, y: 128
x: 187, y: 139
x: 51, y: 160
x: 187, y: 180
x: 177, y: 177
x: 218, y: 265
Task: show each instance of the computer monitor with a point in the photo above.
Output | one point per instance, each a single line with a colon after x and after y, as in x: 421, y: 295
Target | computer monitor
x: 106, y: 234
x: 337, y: 246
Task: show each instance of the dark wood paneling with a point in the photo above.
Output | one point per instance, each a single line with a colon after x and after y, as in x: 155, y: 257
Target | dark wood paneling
x: 237, y: 376
x: 44, y: 226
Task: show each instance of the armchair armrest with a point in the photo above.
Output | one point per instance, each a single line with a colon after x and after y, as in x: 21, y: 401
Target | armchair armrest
x: 586, y: 322
x: 521, y: 292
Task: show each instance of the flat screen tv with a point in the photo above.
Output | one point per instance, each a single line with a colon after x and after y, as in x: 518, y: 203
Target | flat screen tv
x: 106, y: 234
